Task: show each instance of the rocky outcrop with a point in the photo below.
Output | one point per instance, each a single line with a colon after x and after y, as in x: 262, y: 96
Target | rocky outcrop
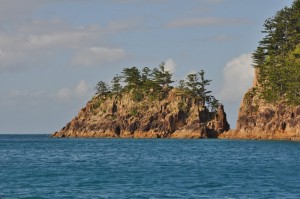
x: 121, y: 117
x: 260, y: 120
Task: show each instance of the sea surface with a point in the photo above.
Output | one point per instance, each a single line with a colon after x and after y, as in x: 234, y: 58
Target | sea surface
x: 37, y: 166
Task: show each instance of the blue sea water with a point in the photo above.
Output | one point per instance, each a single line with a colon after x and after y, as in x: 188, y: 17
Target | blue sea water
x: 36, y: 166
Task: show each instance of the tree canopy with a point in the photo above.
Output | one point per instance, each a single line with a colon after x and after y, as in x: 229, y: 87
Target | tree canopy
x: 156, y: 83
x: 277, y: 56
x: 195, y: 86
x: 162, y: 77
x: 102, y: 88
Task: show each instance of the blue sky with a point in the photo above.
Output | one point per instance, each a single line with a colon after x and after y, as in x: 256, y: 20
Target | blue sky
x: 53, y: 52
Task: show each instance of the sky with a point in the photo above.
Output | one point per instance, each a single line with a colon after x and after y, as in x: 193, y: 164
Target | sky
x: 53, y: 52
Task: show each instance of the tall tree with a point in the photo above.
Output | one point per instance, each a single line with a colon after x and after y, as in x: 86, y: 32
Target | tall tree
x: 147, y: 84
x: 132, y: 77
x: 181, y: 84
x: 146, y: 73
x: 102, y: 88
x: 197, y: 85
x: 116, y: 86
x: 162, y: 77
x: 273, y: 55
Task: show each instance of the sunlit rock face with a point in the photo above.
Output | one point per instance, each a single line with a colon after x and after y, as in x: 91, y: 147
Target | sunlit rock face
x: 260, y: 120
x: 122, y: 117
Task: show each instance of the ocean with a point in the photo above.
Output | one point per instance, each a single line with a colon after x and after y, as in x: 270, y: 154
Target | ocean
x: 37, y: 166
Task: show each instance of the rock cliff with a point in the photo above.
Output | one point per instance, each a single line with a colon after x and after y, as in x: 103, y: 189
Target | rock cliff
x: 121, y: 117
x: 260, y: 120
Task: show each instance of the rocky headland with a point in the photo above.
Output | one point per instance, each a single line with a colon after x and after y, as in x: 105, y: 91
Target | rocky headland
x: 271, y: 108
x: 258, y: 119
x: 121, y: 117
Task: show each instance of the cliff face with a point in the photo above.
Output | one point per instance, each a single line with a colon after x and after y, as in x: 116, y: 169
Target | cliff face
x: 174, y: 117
x: 260, y: 120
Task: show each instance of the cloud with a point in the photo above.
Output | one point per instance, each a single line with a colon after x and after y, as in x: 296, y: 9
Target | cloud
x: 170, y: 65
x: 97, y: 55
x: 203, y: 21
x: 15, y: 10
x: 238, y: 75
x: 40, y: 111
x: 15, y: 99
x: 80, y: 91
x: 42, y: 41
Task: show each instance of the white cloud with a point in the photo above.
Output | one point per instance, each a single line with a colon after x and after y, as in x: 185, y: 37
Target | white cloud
x: 238, y: 76
x: 170, y: 65
x: 203, y: 21
x: 64, y: 94
x: 40, y: 42
x: 81, y: 90
x: 97, y: 55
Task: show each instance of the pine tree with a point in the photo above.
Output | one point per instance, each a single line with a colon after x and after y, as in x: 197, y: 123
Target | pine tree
x: 102, y: 88
x: 278, y: 73
x: 196, y: 84
x: 146, y: 73
x: 132, y: 77
x: 181, y: 85
x: 162, y: 77
x: 116, y: 86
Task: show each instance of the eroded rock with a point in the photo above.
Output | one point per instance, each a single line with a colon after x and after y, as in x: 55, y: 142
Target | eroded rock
x: 124, y: 118
x: 260, y: 120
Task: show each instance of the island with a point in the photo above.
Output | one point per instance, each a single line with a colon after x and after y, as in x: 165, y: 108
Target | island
x: 143, y: 104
